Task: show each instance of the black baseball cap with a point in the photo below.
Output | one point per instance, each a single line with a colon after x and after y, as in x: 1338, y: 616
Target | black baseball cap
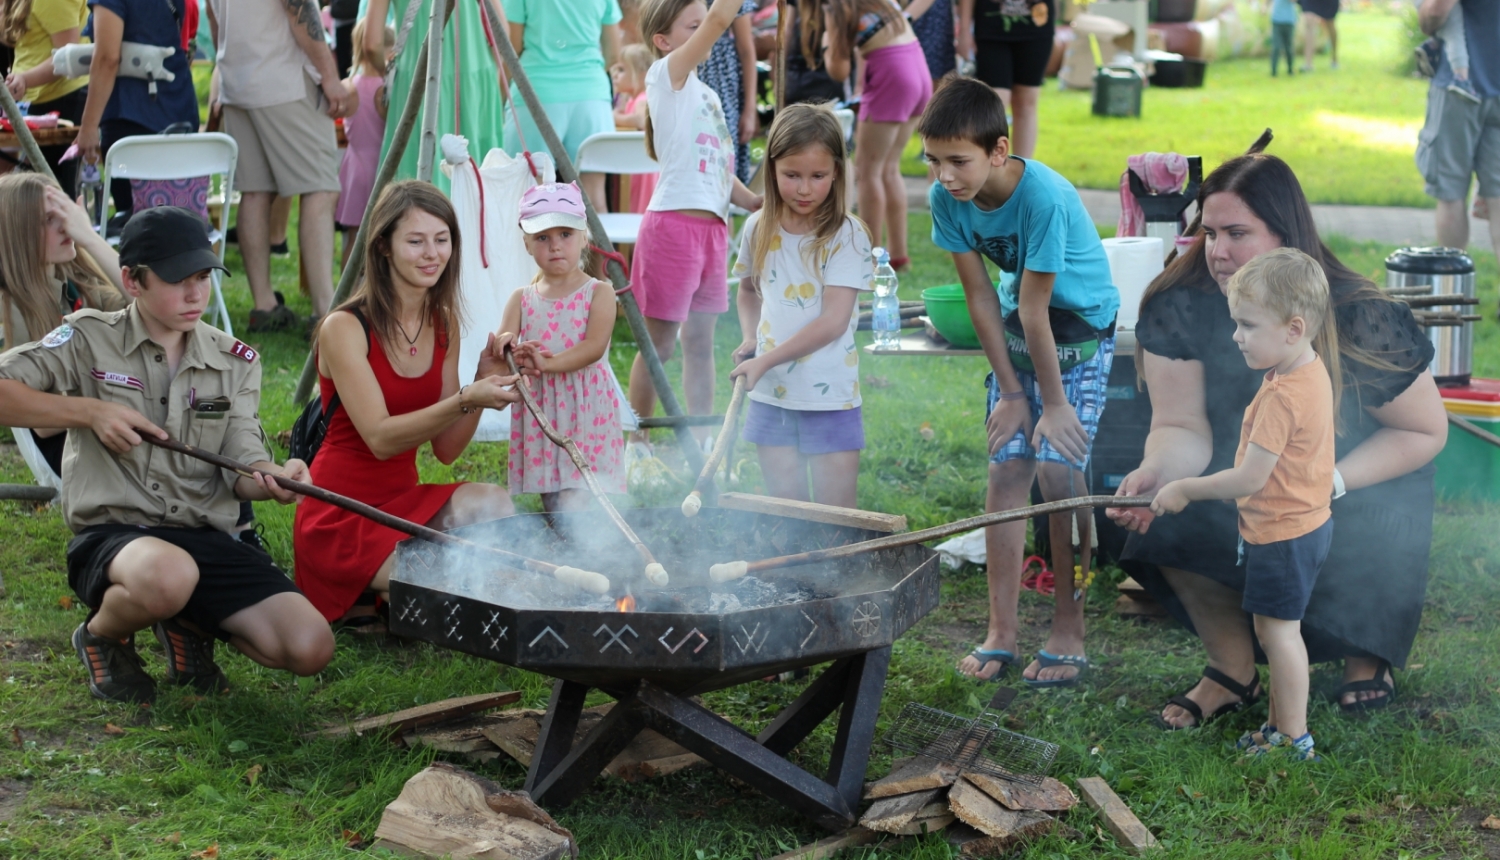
x: 171, y: 240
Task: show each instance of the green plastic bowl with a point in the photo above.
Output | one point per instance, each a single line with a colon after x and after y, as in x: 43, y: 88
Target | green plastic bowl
x: 950, y: 315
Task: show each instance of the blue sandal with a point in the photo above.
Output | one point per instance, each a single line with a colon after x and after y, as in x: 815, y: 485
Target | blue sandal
x: 999, y: 655
x: 1048, y: 660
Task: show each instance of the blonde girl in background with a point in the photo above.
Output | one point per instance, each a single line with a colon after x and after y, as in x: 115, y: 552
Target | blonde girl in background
x: 802, y: 263
x: 364, y: 130
x: 681, y: 257
x: 52, y: 263
x: 629, y: 76
x: 562, y: 322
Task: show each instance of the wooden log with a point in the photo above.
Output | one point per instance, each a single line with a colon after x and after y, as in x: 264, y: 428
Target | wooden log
x: 983, y: 813
x: 446, y: 811
x: 930, y: 819
x: 1118, y: 818
x: 27, y: 492
x: 891, y: 814
x: 825, y: 848
x: 460, y: 736
x: 648, y: 755
x: 1050, y: 796
x: 970, y: 842
x: 422, y: 715
x: 918, y: 773
x: 831, y: 514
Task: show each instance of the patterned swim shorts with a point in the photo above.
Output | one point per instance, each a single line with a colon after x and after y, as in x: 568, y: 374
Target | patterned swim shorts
x: 1084, y: 386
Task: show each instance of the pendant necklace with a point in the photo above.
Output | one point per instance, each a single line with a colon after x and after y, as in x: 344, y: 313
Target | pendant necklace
x: 411, y: 341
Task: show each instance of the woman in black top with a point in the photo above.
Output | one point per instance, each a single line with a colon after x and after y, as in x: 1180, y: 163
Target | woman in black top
x: 1368, y: 599
x: 1010, y: 42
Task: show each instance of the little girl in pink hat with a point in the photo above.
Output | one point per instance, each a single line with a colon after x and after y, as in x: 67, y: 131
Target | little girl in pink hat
x: 563, y: 321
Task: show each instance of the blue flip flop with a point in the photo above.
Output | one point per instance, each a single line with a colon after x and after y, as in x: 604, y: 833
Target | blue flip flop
x: 1048, y: 660
x: 1001, y: 656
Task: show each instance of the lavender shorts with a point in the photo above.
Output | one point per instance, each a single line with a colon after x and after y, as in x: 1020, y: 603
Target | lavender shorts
x: 811, y: 432
x: 897, y: 84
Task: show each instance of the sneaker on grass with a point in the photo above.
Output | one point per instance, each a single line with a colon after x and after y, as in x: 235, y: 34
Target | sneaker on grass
x: 190, y: 658
x: 279, y: 318
x: 114, y: 667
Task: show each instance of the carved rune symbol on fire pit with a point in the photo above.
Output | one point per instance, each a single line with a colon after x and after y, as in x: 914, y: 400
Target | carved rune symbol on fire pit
x: 866, y: 619
x: 672, y: 649
x: 413, y: 613
x: 750, y: 639
x: 491, y: 624
x: 614, y: 637
x: 545, y: 631
x: 810, y: 633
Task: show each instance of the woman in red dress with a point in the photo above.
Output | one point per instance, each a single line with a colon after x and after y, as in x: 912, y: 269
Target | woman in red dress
x: 391, y: 354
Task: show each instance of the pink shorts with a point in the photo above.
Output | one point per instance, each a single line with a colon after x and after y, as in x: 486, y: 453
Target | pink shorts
x: 680, y: 266
x: 897, y: 84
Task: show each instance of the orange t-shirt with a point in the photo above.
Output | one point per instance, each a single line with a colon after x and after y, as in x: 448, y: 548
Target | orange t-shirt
x: 1291, y: 416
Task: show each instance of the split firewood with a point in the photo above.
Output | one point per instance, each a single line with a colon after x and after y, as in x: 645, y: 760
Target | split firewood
x: 447, y: 811
x: 970, y: 842
x: 893, y: 814
x: 1050, y: 796
x: 907, y: 775
x: 462, y: 736
x: 983, y: 813
x: 825, y: 848
x: 422, y: 715
x: 1118, y: 818
x: 648, y: 755
x: 929, y: 819
x: 1128, y: 585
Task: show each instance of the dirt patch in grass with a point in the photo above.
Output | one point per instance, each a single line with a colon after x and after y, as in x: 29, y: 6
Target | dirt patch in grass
x: 12, y: 795
x: 1457, y: 836
x: 23, y: 651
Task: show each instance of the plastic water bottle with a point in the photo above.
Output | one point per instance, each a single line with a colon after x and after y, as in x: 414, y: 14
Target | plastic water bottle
x: 885, y: 317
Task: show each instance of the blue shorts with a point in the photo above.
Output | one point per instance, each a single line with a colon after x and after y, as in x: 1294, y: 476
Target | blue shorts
x: 1279, y: 577
x: 811, y: 432
x: 1084, y: 387
x: 574, y: 122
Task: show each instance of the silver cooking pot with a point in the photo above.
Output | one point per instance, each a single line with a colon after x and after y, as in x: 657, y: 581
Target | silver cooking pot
x: 1441, y: 272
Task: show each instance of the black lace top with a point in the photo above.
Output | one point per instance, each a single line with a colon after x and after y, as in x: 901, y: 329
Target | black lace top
x: 1189, y: 324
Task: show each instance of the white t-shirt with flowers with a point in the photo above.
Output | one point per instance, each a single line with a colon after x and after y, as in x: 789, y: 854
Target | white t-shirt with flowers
x: 792, y: 297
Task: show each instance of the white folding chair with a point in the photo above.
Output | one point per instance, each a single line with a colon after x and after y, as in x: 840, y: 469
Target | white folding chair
x: 179, y: 156
x: 623, y: 153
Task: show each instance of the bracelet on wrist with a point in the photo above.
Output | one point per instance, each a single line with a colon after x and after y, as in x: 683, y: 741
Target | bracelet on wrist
x: 461, y: 407
x: 1012, y: 395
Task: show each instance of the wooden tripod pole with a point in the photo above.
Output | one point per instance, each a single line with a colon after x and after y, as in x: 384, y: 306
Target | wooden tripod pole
x: 654, y: 570
x: 618, y: 277
x: 437, y: 21
x: 390, y: 521
x: 24, y: 135
x: 388, y: 166
x: 735, y: 569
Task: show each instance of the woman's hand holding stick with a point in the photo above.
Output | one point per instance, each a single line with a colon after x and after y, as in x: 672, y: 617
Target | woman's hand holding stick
x: 654, y: 571
x: 694, y: 501
x: 736, y: 569
x: 586, y: 580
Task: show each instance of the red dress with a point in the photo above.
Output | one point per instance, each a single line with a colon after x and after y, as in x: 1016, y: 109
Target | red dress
x: 337, y: 552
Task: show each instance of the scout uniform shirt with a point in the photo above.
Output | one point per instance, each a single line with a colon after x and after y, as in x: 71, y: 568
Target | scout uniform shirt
x: 213, y: 403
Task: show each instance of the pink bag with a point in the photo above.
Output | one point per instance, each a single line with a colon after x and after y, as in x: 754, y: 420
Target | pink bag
x: 190, y: 194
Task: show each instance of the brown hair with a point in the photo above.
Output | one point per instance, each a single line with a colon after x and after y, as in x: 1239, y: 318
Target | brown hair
x: 841, y: 21
x: 1288, y: 283
x: 796, y: 128
x: 376, y: 296
x: 965, y: 109
x: 657, y: 17
x: 26, y: 279
x: 13, y: 15
x: 1267, y: 185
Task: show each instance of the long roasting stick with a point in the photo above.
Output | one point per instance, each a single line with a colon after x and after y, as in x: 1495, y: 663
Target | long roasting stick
x: 586, y: 580
x: 735, y: 569
x: 694, y: 501
x: 654, y: 571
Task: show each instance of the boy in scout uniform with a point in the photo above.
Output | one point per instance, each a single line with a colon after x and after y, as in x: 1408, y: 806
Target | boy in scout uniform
x: 152, y: 544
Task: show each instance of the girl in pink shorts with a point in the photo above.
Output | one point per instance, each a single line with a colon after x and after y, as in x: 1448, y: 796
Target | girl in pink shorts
x: 894, y: 91
x: 682, y: 253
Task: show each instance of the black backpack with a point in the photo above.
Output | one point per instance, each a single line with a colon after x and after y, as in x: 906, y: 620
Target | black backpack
x: 312, y: 425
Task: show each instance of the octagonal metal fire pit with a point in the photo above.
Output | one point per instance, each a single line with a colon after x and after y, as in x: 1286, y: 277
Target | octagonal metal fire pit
x: 691, y: 637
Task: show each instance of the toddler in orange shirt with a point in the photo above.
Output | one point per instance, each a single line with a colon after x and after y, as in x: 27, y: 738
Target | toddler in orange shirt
x: 1282, y: 478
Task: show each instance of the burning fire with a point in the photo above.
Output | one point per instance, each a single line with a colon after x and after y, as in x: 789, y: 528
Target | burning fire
x: 625, y: 604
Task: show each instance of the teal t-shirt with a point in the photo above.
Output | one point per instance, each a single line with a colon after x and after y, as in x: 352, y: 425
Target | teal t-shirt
x: 560, y: 51
x: 1042, y: 227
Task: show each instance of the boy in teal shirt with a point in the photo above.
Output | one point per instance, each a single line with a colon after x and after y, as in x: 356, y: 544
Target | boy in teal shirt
x: 1049, y: 338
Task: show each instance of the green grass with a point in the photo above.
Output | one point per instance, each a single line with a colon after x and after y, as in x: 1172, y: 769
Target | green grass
x: 83, y: 779
x: 1349, y: 134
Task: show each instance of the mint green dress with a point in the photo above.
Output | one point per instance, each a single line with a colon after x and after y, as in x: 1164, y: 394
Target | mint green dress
x: 478, y: 104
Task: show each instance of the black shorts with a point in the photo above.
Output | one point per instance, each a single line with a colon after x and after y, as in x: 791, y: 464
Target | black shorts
x: 1011, y: 64
x: 231, y: 575
x: 1279, y: 576
x: 1325, y: 9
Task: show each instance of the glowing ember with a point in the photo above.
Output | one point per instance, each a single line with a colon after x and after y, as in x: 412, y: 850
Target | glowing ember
x: 625, y: 604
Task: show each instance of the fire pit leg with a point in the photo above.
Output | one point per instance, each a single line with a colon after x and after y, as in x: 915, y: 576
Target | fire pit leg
x: 571, y: 776
x: 857, y: 714
x: 821, y: 698
x: 556, y: 738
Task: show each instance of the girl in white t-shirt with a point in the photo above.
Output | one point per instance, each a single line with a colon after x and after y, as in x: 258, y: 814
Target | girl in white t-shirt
x: 802, y: 263
x: 680, y: 255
